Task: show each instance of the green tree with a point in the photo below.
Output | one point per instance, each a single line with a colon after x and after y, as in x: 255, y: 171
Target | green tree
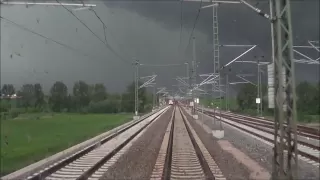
x: 38, y: 95
x: 5, y: 106
x: 58, y: 96
x: 27, y: 95
x: 8, y: 89
x: 81, y: 94
x: 307, y: 98
x: 246, y: 97
x: 129, y: 97
x: 91, y: 91
x: 99, y: 93
x: 106, y: 106
x: 71, y: 103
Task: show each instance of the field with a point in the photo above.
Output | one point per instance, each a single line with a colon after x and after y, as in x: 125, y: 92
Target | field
x: 32, y: 137
x: 215, y: 103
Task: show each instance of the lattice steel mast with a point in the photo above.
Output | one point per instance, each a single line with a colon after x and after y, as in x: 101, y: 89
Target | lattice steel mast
x: 216, y: 53
x: 285, y: 96
x: 194, y: 80
x: 284, y: 167
x: 136, y: 88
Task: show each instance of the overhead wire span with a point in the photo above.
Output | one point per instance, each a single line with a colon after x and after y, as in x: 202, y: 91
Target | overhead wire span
x: 181, y: 8
x: 47, y: 38
x: 161, y: 65
x: 194, y: 25
x: 106, y: 44
x: 104, y: 26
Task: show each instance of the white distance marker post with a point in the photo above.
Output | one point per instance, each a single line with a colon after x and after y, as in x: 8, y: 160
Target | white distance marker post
x: 196, y: 100
x: 191, y: 103
x: 258, y: 100
x: 202, y: 115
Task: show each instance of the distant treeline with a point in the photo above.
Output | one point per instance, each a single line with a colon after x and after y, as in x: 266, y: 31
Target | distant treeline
x: 307, y: 98
x: 84, y: 98
x: 308, y: 101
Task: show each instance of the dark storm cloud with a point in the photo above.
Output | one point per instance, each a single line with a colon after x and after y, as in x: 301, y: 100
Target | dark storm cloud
x: 44, y: 61
x: 237, y: 22
x: 148, y: 31
x: 237, y: 25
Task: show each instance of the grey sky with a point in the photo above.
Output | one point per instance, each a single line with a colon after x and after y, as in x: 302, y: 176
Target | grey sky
x: 149, y: 32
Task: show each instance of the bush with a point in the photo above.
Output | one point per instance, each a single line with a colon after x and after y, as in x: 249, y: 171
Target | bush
x: 303, y: 117
x: 147, y: 108
x: 15, y: 112
x: 4, y: 115
x: 4, y: 106
x: 33, y: 110
x: 106, y: 106
x: 47, y: 110
x: 84, y: 110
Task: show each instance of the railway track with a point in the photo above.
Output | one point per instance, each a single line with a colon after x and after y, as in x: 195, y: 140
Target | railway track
x: 304, y: 138
x: 91, y: 162
x: 306, y: 130
x: 302, y: 130
x: 182, y: 154
x: 307, y: 151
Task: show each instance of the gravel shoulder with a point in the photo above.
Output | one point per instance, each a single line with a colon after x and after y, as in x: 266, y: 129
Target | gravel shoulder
x: 259, y: 151
x: 229, y: 166
x: 139, y: 160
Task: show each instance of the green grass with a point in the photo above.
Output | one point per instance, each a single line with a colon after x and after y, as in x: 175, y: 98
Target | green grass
x: 32, y: 137
x: 215, y: 103
x: 307, y: 118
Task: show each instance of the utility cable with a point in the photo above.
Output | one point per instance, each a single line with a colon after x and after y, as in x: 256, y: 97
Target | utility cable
x: 104, y: 26
x: 107, y: 45
x: 161, y: 65
x: 194, y: 25
x: 47, y: 38
x: 181, y: 8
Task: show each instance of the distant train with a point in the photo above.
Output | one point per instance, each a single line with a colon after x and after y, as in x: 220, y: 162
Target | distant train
x: 170, y: 102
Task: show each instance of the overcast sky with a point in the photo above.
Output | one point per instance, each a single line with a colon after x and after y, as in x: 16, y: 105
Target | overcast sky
x: 148, y: 31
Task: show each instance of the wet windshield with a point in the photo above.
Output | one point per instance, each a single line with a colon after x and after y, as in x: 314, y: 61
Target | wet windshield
x: 73, y: 69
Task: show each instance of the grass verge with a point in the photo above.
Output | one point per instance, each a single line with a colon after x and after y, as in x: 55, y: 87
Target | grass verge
x: 27, y: 139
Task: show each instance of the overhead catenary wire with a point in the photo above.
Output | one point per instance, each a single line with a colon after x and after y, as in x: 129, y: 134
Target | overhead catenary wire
x: 40, y: 35
x: 106, y: 44
x: 181, y: 14
x: 8, y: 2
x: 104, y: 26
x: 161, y: 65
x: 194, y: 25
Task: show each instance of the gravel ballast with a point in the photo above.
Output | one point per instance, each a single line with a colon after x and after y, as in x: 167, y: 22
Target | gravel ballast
x: 139, y: 160
x: 229, y: 166
x: 259, y: 151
